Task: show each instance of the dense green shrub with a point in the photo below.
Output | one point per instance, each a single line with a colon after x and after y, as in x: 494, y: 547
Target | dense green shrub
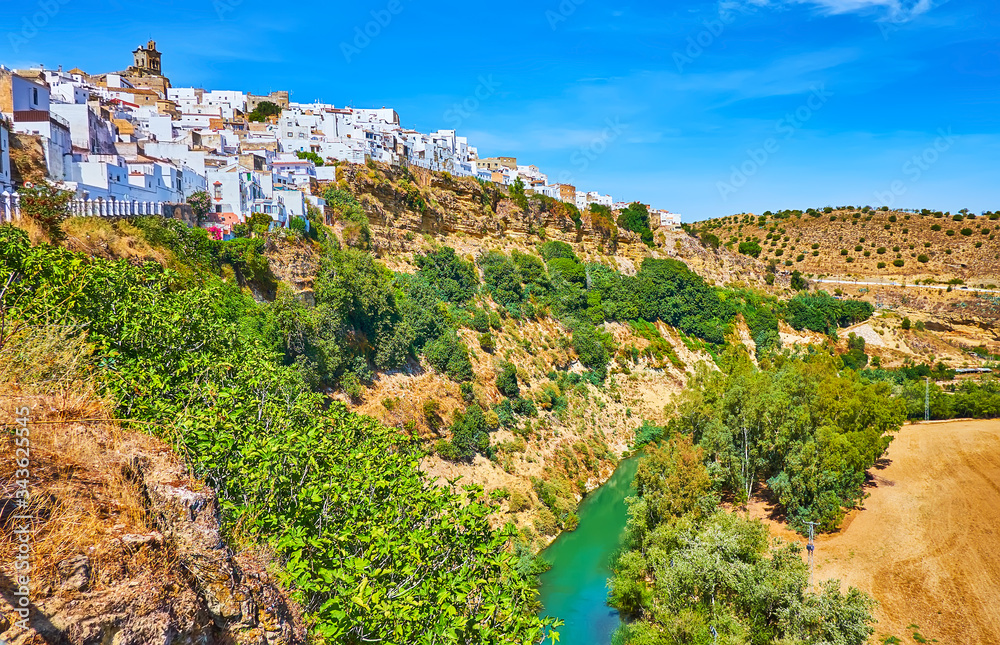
x: 450, y: 356
x: 823, y: 313
x: 470, y: 434
x: 555, y: 249
x: 506, y: 381
x: 751, y: 248
x: 454, y: 279
x: 370, y: 547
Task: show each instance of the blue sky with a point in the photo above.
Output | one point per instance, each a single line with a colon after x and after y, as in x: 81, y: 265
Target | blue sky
x: 705, y: 108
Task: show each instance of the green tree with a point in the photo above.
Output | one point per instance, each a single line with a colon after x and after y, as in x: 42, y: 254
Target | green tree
x: 470, y: 434
x: 634, y: 218
x: 517, y: 194
x: 264, y: 110
x: 798, y: 282
x: 855, y: 358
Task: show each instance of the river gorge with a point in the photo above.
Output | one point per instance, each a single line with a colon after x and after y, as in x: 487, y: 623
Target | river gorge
x: 575, y: 588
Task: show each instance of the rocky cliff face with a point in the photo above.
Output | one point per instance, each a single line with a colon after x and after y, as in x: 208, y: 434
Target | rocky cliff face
x: 126, y: 547
x: 404, y: 207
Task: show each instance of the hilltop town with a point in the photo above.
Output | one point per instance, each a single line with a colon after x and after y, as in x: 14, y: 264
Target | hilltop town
x: 131, y: 137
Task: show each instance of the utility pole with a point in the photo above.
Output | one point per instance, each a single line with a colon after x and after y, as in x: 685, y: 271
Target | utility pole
x: 927, y: 399
x: 811, y: 548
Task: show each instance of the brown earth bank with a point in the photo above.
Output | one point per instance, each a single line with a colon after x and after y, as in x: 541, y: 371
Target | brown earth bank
x: 125, y: 547
x: 925, y: 544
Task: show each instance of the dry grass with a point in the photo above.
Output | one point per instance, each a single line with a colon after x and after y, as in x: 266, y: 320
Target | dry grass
x: 113, y: 239
x: 35, y: 232
x: 78, y: 485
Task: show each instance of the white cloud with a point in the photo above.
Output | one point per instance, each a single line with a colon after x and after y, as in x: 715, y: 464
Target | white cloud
x: 893, y: 10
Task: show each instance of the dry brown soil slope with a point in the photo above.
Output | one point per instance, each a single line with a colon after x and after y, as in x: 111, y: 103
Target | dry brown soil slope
x: 972, y: 255
x: 926, y: 545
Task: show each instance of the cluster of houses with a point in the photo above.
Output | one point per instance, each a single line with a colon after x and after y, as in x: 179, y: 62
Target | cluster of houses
x: 130, y: 142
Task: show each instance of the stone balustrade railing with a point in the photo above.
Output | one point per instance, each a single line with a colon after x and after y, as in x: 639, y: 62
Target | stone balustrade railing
x: 10, y: 207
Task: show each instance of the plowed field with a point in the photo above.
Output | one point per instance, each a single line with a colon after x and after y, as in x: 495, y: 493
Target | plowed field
x: 927, y: 544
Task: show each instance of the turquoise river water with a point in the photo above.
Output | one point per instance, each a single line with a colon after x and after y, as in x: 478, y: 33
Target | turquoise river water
x: 575, y: 588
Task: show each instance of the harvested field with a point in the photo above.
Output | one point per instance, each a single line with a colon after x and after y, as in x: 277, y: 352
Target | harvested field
x: 927, y: 544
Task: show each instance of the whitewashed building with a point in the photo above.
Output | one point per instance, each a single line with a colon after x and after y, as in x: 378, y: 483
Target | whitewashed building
x: 88, y: 131
x: 5, y: 170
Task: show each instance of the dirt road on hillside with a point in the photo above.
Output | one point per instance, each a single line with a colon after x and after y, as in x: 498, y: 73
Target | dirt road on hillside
x: 927, y: 545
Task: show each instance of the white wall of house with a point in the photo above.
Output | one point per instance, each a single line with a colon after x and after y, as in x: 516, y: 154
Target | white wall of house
x: 28, y: 95
x: 88, y: 131
x: 183, y: 96
x: 5, y: 181
x: 98, y: 176
x: 235, y: 189
x: 160, y: 127
x: 68, y: 93
x: 227, y: 99
x: 179, y: 153
x: 155, y: 181
x: 294, y: 201
x: 301, y: 171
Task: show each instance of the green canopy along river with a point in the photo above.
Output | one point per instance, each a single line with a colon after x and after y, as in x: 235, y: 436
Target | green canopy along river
x: 575, y: 588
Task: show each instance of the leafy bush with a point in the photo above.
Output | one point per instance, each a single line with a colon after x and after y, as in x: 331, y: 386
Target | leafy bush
x: 48, y: 206
x: 751, y: 248
x: 450, y: 356
x: 506, y: 381
x: 555, y: 249
x: 264, y: 110
x: 201, y: 203
x: 470, y: 434
x: 798, y: 283
x: 590, y: 345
